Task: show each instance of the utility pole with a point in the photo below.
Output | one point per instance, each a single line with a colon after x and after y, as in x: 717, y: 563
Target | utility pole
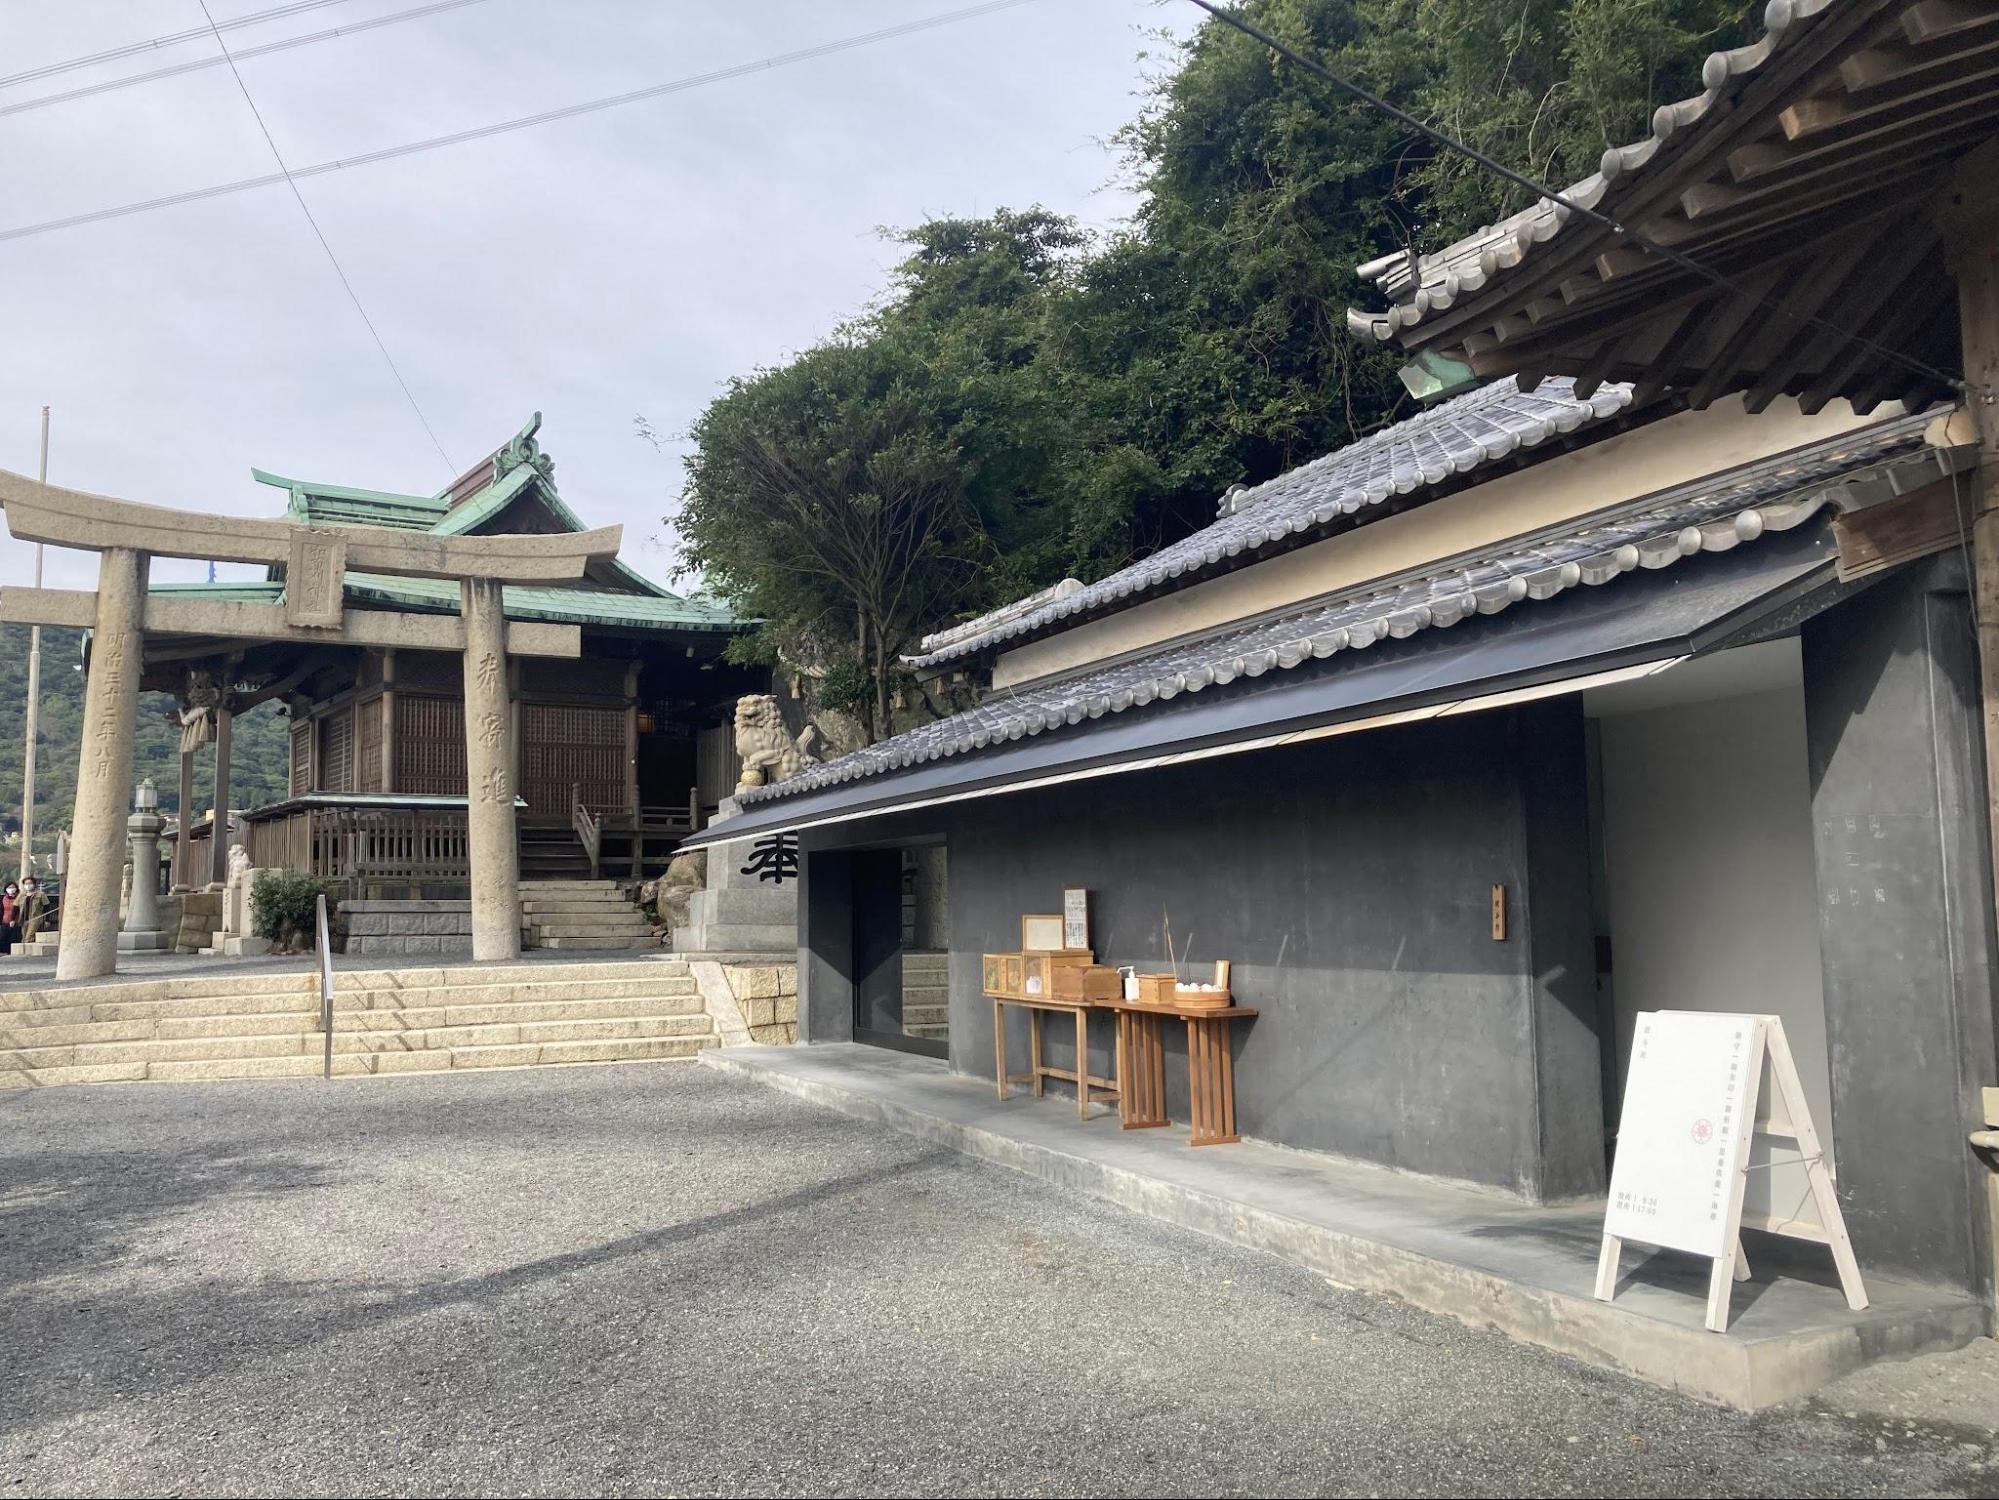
x: 34, y: 694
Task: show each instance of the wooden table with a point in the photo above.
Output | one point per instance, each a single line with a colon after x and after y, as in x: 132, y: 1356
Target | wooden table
x: 1088, y: 1088
x: 1141, y: 1066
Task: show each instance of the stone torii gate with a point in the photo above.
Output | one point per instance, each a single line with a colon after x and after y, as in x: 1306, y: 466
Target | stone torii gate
x: 125, y: 535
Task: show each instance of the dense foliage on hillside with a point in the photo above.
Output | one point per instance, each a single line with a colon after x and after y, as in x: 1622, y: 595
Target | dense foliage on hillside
x: 258, y: 760
x: 1030, y: 401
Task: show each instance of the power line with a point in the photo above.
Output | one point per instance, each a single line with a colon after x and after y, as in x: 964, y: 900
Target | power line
x: 320, y: 235
x: 482, y: 132
x: 1520, y: 179
x: 112, y: 54
x: 245, y: 55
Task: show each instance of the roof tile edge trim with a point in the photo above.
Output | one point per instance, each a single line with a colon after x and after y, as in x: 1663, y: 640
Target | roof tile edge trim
x: 1249, y: 526
x: 1487, y: 588
x: 1468, y: 264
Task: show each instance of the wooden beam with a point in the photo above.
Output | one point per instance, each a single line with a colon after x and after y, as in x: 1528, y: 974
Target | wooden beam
x: 73, y: 518
x: 1876, y: 67
x: 1931, y: 519
x: 1812, y: 117
x: 236, y: 619
x: 1932, y: 20
x: 1664, y: 367
x: 1845, y: 361
x: 1835, y: 278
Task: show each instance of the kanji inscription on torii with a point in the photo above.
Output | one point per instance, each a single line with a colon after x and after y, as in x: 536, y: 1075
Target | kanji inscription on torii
x: 127, y: 535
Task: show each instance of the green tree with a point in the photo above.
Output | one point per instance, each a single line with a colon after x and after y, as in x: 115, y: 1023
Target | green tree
x: 259, y: 750
x: 821, y: 500
x: 1091, y: 399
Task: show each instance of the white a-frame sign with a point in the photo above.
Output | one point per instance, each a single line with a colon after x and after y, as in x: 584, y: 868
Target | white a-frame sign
x: 1691, y: 1114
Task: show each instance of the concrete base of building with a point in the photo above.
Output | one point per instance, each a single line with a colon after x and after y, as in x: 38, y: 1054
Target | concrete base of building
x: 143, y: 942
x: 1485, y: 1259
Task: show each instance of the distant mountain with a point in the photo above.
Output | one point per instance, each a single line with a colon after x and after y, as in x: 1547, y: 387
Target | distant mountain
x: 258, y: 767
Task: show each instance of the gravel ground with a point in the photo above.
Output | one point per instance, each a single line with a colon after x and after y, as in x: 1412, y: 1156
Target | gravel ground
x: 650, y: 1279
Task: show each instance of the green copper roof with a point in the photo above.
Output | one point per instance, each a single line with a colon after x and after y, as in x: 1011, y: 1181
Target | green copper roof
x: 564, y: 606
x: 342, y: 505
x: 519, y: 468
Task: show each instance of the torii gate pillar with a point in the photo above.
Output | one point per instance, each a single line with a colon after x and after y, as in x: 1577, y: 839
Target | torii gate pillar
x: 489, y: 782
x: 89, y: 946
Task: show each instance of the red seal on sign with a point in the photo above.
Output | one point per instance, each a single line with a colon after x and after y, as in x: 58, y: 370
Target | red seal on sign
x: 1703, y: 1132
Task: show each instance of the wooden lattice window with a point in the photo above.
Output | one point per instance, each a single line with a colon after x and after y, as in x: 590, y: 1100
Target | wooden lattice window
x: 336, y: 751
x: 564, y: 747
x: 301, y: 761
x: 430, y: 745
x: 368, y: 746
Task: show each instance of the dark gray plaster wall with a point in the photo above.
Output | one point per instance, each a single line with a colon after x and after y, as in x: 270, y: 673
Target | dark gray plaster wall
x: 826, y: 948
x: 1349, y: 880
x: 1899, y: 824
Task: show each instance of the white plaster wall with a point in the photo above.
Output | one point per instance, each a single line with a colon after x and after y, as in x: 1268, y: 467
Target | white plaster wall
x: 1713, y: 891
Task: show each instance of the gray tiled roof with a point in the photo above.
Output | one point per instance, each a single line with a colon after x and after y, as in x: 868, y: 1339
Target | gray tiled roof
x: 1714, y: 515
x: 1477, y: 259
x: 1430, y: 447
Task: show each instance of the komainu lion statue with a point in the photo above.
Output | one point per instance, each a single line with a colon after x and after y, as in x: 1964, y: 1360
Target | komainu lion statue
x: 768, y: 753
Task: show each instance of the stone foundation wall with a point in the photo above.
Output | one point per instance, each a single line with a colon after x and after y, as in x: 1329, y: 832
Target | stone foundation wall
x: 751, y: 1003
x: 403, y: 927
x: 200, y: 920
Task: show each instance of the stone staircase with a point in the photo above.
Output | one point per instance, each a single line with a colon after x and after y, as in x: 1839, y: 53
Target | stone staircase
x: 247, y: 1025
x: 581, y: 914
x: 926, y: 994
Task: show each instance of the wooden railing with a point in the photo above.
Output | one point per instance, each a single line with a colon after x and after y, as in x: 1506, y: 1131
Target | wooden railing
x: 589, y: 828
x: 364, y: 843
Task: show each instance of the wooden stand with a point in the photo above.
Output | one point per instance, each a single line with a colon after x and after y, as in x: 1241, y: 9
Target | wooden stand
x: 1088, y: 1087
x: 1793, y: 1126
x: 1141, y: 1066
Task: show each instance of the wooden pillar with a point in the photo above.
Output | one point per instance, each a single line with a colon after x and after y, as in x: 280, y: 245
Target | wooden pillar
x: 632, y: 770
x: 388, y: 721
x: 89, y: 947
x: 218, y: 838
x: 183, y: 841
x: 1970, y: 219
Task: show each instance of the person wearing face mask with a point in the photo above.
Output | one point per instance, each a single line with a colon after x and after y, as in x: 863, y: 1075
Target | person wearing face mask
x: 33, y: 912
x: 10, y: 916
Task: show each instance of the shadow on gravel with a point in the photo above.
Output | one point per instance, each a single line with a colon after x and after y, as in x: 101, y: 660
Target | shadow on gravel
x: 68, y: 1347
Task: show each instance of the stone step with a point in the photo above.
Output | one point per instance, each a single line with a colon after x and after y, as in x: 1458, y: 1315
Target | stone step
x: 924, y: 1014
x: 605, y: 913
x: 91, y: 1053
x: 352, y: 1064
x: 610, y: 1029
x: 545, y: 887
x: 18, y: 1078
x: 554, y: 907
x: 929, y: 1031
x: 677, y: 984
x: 600, y: 944
x: 262, y: 982
x: 591, y: 927
x: 452, y: 1030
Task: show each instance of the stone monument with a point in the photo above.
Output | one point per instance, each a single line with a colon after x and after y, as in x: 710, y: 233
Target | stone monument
x: 749, y: 903
x: 141, y: 932
x: 237, y: 938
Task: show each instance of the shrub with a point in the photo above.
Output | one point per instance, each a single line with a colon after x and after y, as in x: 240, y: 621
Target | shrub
x: 282, y: 907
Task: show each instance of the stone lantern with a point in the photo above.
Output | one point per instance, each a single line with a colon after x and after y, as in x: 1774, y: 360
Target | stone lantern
x: 142, y: 918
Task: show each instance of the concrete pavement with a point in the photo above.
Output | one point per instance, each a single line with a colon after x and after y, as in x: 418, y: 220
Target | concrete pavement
x: 659, y: 1279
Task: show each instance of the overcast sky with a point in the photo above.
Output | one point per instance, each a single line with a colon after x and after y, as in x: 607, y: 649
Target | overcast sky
x: 626, y: 262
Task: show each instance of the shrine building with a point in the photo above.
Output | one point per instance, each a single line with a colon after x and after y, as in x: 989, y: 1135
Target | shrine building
x: 1639, y: 672
x: 618, y: 753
